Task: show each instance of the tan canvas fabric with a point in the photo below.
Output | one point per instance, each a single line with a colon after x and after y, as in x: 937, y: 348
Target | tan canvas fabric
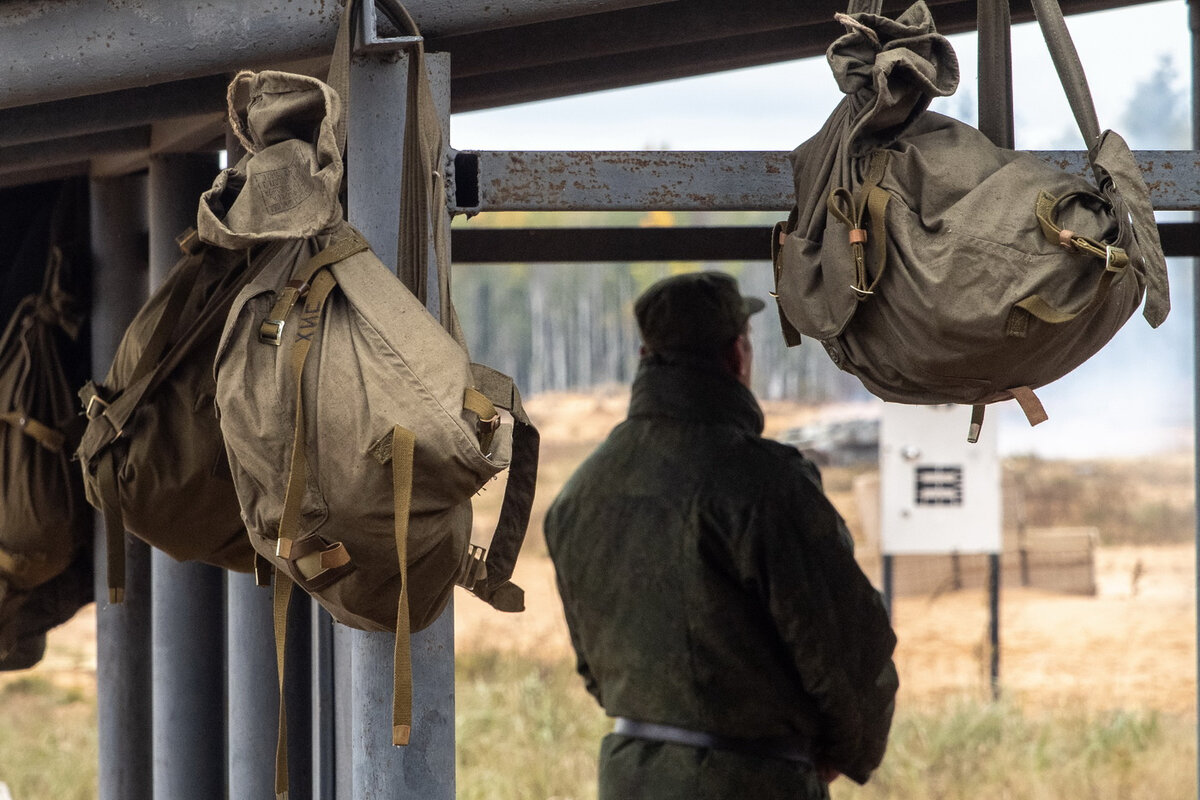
x: 916, y: 254
x: 152, y: 457
x: 378, y: 360
x: 356, y: 426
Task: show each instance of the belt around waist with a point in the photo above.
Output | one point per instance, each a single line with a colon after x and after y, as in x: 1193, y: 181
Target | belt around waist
x: 790, y: 748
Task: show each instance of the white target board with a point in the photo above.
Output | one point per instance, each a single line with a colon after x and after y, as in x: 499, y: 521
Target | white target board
x: 939, y: 493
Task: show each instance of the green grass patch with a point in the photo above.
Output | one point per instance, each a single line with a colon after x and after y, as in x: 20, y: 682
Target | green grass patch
x: 995, y: 751
x: 525, y: 729
x: 48, y: 742
x: 528, y: 730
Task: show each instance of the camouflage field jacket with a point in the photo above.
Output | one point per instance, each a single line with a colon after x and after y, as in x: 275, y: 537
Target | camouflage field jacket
x: 709, y: 584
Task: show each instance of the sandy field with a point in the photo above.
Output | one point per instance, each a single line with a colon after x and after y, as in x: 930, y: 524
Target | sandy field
x: 1132, y: 645
x: 1115, y: 650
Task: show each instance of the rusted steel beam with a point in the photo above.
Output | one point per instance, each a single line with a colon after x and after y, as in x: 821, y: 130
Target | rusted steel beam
x: 711, y: 180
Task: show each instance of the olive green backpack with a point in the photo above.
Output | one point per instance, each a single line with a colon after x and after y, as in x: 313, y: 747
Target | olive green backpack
x: 45, y: 523
x: 357, y: 428
x: 152, y: 457
x: 938, y: 267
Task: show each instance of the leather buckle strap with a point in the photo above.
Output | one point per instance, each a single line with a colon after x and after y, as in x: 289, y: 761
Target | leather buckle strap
x: 789, y: 748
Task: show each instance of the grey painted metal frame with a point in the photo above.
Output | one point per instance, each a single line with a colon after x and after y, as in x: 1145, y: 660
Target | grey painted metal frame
x: 425, y: 768
x: 187, y: 619
x: 1194, y: 25
x: 55, y: 51
x: 123, y: 652
x: 751, y: 180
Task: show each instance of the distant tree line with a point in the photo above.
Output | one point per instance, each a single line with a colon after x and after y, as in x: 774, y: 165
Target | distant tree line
x: 560, y: 327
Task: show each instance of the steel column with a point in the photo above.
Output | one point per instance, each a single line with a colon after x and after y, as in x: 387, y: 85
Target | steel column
x: 252, y: 704
x: 118, y: 220
x: 343, y: 711
x: 1194, y: 25
x: 187, y: 630
x: 425, y: 768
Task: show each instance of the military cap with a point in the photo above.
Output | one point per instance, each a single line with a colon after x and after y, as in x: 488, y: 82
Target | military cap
x: 693, y: 312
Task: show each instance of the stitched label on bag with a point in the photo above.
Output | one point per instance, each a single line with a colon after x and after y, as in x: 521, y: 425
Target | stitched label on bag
x: 281, y: 189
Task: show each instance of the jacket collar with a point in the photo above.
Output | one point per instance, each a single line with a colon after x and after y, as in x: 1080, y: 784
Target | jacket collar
x: 692, y: 391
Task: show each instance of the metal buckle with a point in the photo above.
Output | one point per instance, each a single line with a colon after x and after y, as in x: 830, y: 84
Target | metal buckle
x: 476, y: 570
x: 91, y: 412
x: 271, y: 332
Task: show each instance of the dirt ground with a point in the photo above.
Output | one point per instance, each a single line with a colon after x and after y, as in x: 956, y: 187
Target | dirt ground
x: 1115, y: 650
x: 1132, y: 645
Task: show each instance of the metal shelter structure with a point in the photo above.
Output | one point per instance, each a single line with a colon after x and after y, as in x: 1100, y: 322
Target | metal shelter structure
x: 132, y: 95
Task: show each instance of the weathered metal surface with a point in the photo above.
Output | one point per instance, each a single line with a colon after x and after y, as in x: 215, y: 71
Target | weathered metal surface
x: 425, y: 768
x: 187, y: 631
x: 723, y: 181
x: 252, y: 700
x: 74, y: 148
x: 56, y: 50
x: 122, y: 630
x: 109, y: 111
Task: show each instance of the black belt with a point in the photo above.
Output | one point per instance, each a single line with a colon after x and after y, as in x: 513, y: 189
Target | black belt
x: 790, y: 748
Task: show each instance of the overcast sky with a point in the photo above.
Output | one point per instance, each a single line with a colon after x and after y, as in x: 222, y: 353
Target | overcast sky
x: 1135, y: 396
x: 778, y: 106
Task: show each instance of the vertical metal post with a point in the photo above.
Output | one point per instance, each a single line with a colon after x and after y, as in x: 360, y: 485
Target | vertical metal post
x: 187, y: 616
x: 1194, y: 26
x: 343, y: 692
x: 994, y: 620
x: 298, y: 695
x: 118, y: 220
x: 324, y: 703
x: 425, y: 768
x: 252, y: 698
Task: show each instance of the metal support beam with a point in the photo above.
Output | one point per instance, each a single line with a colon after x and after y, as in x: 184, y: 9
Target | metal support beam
x: 712, y: 181
x: 1194, y: 25
x: 123, y: 630
x: 187, y: 630
x: 109, y: 111
x: 707, y: 243
x: 54, y: 51
x: 425, y: 768
x: 73, y: 148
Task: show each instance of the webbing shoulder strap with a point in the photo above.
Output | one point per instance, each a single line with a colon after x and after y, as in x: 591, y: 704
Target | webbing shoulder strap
x: 494, y: 585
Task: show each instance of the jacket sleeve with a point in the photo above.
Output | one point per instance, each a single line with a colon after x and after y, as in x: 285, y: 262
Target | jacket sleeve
x: 581, y: 663
x: 830, y: 618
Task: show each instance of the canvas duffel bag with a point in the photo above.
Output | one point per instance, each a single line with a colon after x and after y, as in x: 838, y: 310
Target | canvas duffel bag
x: 357, y: 428
x: 938, y: 267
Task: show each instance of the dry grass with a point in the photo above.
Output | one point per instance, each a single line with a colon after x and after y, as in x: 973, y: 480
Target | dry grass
x: 48, y: 741
x: 1099, y: 691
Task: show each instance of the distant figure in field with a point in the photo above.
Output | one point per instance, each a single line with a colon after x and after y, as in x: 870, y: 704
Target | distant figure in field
x: 710, y: 588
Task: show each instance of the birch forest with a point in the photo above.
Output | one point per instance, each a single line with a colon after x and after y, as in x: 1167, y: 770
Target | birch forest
x: 559, y: 327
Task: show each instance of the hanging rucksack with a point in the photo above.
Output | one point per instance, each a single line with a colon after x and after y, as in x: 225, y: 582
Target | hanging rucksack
x: 357, y: 428
x: 45, y: 523
x: 152, y: 457
x: 938, y: 267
